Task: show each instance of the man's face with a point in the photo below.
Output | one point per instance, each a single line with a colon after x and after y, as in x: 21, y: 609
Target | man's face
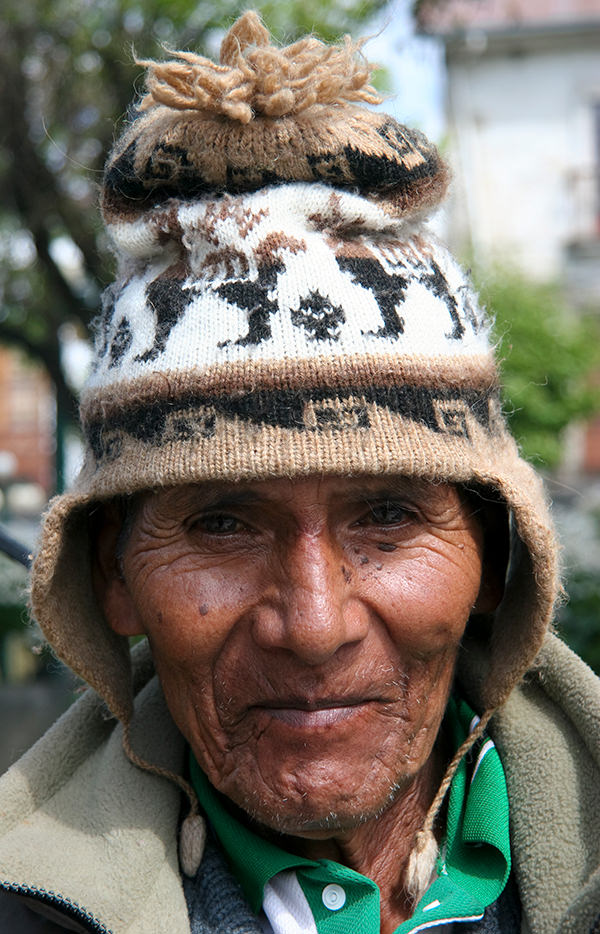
x: 305, y: 633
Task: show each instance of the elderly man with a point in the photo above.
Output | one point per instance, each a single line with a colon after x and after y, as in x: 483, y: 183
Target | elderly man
x: 300, y: 488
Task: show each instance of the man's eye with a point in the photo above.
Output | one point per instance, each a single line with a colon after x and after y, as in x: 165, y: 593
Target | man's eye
x: 217, y: 524
x: 387, y: 513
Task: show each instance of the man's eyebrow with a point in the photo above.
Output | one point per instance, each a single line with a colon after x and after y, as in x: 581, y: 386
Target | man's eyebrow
x: 223, y: 499
x: 389, y: 486
x: 420, y: 496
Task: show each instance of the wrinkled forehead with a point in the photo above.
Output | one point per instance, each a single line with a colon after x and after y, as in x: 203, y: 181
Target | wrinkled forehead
x: 288, y: 492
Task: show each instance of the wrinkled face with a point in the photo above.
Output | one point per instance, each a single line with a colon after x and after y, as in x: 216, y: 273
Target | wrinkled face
x: 305, y: 632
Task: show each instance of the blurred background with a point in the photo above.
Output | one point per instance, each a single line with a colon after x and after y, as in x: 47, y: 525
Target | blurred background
x: 510, y: 91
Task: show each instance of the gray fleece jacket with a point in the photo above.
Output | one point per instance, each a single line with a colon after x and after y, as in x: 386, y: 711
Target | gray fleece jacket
x: 89, y: 843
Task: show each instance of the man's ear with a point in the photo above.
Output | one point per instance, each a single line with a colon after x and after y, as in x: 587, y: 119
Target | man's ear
x: 110, y: 586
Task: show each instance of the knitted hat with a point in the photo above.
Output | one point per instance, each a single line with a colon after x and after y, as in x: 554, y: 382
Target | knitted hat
x: 280, y: 309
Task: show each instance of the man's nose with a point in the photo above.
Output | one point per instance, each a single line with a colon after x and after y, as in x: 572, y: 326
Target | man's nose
x: 317, y: 610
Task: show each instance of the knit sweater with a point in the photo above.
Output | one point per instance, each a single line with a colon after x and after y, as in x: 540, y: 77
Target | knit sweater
x: 89, y: 838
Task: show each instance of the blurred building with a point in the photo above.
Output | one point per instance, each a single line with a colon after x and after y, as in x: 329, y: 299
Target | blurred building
x: 26, y: 435
x: 524, y: 122
x: 523, y: 110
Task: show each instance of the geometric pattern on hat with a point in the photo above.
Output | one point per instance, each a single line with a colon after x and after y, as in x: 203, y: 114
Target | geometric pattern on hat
x: 264, y: 116
x: 165, y: 155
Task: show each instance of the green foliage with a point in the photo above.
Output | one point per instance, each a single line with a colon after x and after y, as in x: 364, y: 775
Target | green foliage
x: 549, y: 355
x: 550, y: 361
x: 13, y: 583
x: 579, y: 619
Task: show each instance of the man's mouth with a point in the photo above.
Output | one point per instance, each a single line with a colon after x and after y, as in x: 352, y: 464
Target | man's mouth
x: 314, y: 715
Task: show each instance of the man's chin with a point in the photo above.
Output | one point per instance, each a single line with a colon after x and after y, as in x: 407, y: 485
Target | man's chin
x: 312, y: 823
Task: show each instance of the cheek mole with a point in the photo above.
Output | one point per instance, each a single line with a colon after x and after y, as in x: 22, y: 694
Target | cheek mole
x: 347, y: 574
x: 203, y: 609
x: 362, y: 558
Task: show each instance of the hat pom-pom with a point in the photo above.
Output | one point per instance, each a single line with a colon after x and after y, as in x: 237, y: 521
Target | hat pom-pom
x: 421, y: 863
x: 192, y: 838
x: 256, y: 78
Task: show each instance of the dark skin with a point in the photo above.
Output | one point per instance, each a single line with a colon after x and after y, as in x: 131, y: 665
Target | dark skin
x: 305, y: 634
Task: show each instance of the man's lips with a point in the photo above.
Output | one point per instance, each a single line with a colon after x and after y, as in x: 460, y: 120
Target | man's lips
x: 312, y: 715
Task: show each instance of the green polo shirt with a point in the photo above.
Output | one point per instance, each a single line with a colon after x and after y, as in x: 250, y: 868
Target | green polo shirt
x: 472, y: 868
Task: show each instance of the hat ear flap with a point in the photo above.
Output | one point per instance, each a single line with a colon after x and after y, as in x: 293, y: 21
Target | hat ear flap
x: 110, y: 587
x: 64, y: 604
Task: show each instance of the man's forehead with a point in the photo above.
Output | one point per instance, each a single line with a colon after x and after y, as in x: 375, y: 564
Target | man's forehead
x: 318, y: 488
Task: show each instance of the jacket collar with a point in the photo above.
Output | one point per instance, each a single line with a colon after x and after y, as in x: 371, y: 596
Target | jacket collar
x: 76, y: 825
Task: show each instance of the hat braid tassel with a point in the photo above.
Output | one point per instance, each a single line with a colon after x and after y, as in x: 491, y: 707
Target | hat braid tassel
x: 421, y: 861
x: 192, y: 834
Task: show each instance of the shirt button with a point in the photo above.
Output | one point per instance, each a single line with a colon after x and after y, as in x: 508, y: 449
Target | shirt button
x: 333, y: 897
